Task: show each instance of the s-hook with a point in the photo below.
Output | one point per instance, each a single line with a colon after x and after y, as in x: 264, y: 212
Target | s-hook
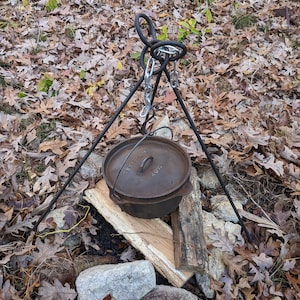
x: 160, y: 53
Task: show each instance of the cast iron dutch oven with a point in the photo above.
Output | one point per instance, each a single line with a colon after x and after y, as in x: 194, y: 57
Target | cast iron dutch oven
x: 147, y: 178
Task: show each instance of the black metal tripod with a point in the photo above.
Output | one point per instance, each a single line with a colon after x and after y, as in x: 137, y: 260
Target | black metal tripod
x: 162, y: 52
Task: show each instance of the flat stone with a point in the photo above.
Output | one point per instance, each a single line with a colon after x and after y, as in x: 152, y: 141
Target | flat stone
x: 222, y: 208
x: 125, y: 281
x: 164, y: 292
x: 228, y: 229
x: 163, y: 132
x: 92, y: 166
x: 215, y: 270
x: 203, y: 281
x: 208, y: 178
x: 236, y: 195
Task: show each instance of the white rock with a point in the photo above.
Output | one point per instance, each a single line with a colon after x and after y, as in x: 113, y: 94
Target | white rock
x: 228, y: 229
x: 236, y: 195
x: 163, y: 132
x: 208, y: 178
x: 125, y: 281
x: 92, y: 166
x: 222, y: 208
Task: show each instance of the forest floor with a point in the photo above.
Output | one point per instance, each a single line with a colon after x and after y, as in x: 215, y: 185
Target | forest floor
x: 66, y: 66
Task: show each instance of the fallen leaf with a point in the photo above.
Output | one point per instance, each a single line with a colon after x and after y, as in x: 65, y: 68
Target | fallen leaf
x: 129, y: 254
x: 169, y: 97
x: 45, y: 250
x: 269, y: 162
x: 258, y: 276
x: 289, y: 264
x: 263, y: 222
x: 234, y: 264
x: 43, y: 183
x: 53, y: 145
x: 56, y: 291
x: 263, y: 261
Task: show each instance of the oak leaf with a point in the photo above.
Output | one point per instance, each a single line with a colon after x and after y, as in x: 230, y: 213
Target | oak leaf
x: 234, y: 264
x: 45, y: 250
x: 263, y: 262
x: 128, y: 254
x: 258, y: 276
x: 43, y: 183
x: 269, y: 162
x: 56, y: 291
x: 53, y: 145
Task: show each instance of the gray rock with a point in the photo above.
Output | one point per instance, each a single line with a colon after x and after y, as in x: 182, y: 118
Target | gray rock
x: 215, y: 269
x: 236, y: 195
x: 208, y: 178
x: 92, y: 166
x: 222, y: 208
x: 227, y: 229
x: 164, y: 292
x: 163, y: 132
x: 203, y: 281
x: 125, y: 281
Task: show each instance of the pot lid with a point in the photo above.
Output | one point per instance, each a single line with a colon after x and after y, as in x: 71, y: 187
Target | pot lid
x: 155, y: 168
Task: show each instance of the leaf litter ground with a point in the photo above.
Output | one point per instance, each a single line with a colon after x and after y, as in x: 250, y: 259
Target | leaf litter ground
x: 64, y: 72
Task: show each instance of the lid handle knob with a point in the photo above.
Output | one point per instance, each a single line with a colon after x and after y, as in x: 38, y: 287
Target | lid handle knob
x: 145, y: 164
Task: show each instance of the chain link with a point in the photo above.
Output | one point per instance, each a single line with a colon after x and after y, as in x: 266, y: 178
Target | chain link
x: 148, y: 93
x: 168, y: 50
x: 174, y: 77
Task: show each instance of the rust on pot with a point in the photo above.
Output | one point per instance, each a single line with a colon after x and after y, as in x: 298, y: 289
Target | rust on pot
x: 147, y: 181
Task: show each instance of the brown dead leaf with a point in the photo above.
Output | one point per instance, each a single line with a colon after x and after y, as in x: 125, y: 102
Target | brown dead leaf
x: 269, y: 162
x: 43, y: 183
x: 263, y: 261
x: 263, y: 222
x: 45, y: 250
x: 169, y: 97
x: 234, y: 264
x: 53, y: 145
x: 56, y: 291
x: 294, y: 280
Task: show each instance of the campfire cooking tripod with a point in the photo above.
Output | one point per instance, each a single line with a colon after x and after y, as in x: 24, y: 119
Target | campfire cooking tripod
x: 162, y: 52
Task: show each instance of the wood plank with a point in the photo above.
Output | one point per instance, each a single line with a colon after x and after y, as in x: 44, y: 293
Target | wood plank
x: 189, y: 241
x: 153, y: 237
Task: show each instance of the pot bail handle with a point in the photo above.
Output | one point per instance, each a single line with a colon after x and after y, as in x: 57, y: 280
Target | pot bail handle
x: 145, y: 164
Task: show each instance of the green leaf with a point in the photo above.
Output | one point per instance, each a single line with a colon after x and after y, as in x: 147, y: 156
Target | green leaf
x: 136, y: 55
x: 45, y: 83
x: 82, y: 74
x: 182, y: 33
x: 192, y: 22
x: 51, y: 5
x: 164, y: 33
x: 195, y: 31
x: 21, y: 94
x: 185, y: 24
x: 208, y: 15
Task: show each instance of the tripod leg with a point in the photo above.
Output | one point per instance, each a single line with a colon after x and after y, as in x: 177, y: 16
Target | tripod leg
x: 95, y: 143
x: 204, y: 148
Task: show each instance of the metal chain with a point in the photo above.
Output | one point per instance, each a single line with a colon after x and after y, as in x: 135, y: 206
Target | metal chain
x: 150, y: 66
x: 171, y: 51
x: 174, y: 77
x: 148, y: 93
